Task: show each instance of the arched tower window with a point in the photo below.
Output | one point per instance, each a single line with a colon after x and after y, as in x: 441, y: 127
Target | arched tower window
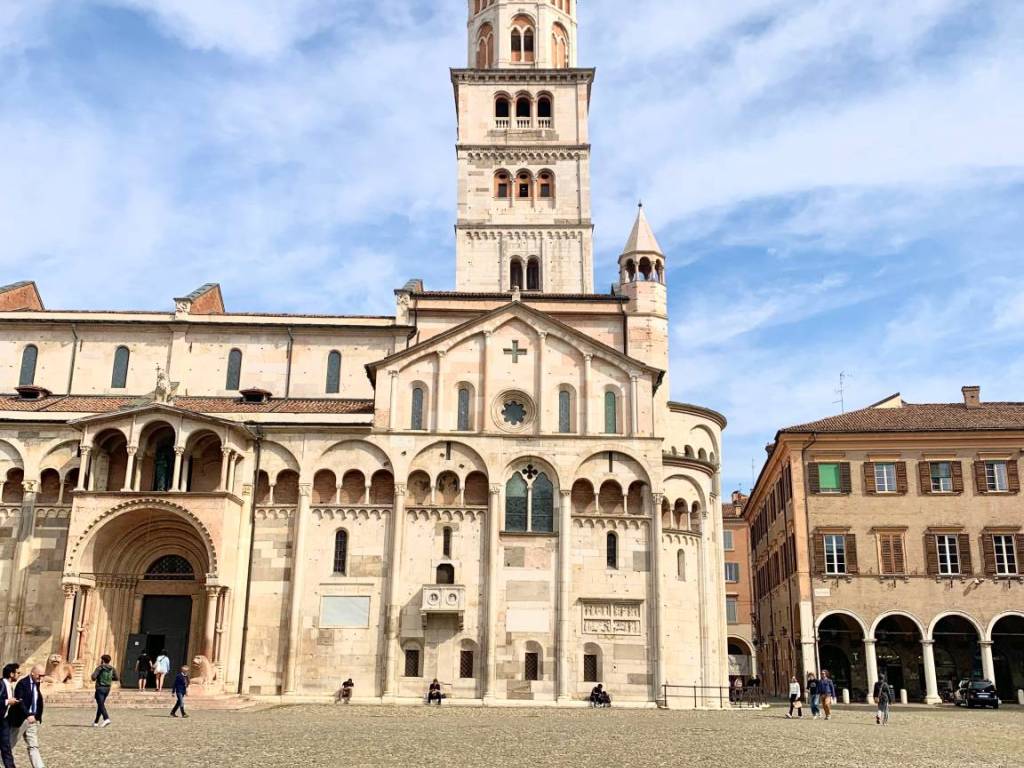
x: 463, y: 418
x: 559, y: 46
x: 502, y: 112
x: 334, y: 372
x: 546, y: 184
x: 485, y: 47
x: 681, y: 565
x: 565, y: 412
x: 502, y: 185
x: 543, y: 502
x: 119, y: 377
x: 234, y: 370
x: 612, y: 551
x: 28, y: 366
x: 416, y: 421
x: 341, y: 552
x: 524, y: 112
x: 524, y: 185
x: 533, y: 274
x: 544, y: 111
x: 515, y: 503
x: 522, y: 39
x: 611, y: 413
x: 516, y: 274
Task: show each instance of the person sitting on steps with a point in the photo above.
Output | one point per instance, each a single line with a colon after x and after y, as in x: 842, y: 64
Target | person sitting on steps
x: 434, y: 694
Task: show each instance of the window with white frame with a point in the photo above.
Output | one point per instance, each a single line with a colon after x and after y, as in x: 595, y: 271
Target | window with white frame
x: 732, y: 573
x: 995, y: 476
x: 727, y: 543
x: 1006, y: 555
x: 942, y: 477
x: 835, y: 554
x: 948, y: 548
x: 885, y: 478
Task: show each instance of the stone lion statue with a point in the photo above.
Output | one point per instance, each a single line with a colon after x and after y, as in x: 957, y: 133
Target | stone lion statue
x: 57, y: 670
x: 204, y: 671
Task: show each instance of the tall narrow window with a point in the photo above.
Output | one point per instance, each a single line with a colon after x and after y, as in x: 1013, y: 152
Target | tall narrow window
x: 835, y: 555
x: 417, y: 408
x: 590, y: 668
x: 340, y: 552
x: 234, y: 377
x: 119, y: 378
x: 885, y: 477
x: 995, y: 476
x: 949, y: 554
x: 612, y: 551
x: 1006, y: 556
x: 532, y: 666
x: 412, y: 662
x: 533, y: 275
x: 731, y: 613
x: 516, y: 276
x: 524, y: 186
x: 28, y: 366
x: 515, y: 503
x: 543, y: 503
x: 463, y: 424
x: 564, y: 412
x: 528, y: 45
x: 334, y: 373
x: 942, y: 476
x: 517, y: 45
x: 466, y: 668
x: 681, y: 565
x: 446, y: 542
x: 547, y: 185
x: 502, y: 185
x: 611, y: 421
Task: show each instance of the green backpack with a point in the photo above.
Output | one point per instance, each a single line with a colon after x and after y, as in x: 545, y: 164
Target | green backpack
x: 106, y: 677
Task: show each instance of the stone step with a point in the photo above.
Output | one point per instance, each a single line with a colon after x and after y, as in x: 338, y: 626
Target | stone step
x: 148, y: 700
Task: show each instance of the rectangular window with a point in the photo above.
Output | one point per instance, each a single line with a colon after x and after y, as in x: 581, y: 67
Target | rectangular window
x: 466, y: 665
x: 412, y: 662
x: 532, y: 671
x: 828, y: 478
x: 948, y: 549
x: 590, y: 668
x: 885, y: 478
x: 503, y: 189
x: 891, y: 560
x: 1006, y: 555
x: 995, y: 476
x: 727, y: 542
x: 731, y: 615
x: 732, y: 573
x: 835, y: 555
x: 942, y: 477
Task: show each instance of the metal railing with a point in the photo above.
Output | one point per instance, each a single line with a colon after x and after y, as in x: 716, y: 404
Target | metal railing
x: 709, y: 695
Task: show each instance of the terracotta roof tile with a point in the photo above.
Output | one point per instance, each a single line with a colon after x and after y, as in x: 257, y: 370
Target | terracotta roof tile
x: 106, y: 404
x: 924, y: 417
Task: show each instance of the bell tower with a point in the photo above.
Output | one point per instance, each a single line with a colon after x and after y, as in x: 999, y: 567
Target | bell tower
x: 523, y: 151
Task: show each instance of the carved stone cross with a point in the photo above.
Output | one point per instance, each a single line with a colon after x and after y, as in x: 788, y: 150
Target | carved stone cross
x: 516, y: 352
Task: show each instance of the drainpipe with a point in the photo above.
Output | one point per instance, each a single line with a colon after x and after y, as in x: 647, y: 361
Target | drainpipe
x: 74, y: 355
x: 288, y: 374
x: 810, y: 549
x: 252, y: 551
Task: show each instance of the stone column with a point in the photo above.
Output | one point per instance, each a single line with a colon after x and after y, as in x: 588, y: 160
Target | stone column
x: 70, y: 590
x: 586, y: 409
x: 210, y: 629
x: 129, y: 473
x: 439, y: 392
x: 539, y: 386
x: 392, y: 399
x: 485, y: 385
x: 565, y: 651
x: 295, y: 600
x: 179, y: 452
x: 634, y: 404
x: 871, y: 660
x: 491, y: 618
x: 225, y: 457
x: 219, y: 627
x: 82, y: 625
x: 337, y: 494
x: 394, y: 608
x: 232, y: 467
x: 83, y: 466
x: 653, y: 502
x: 930, y: 683
x: 60, y: 492
x: 988, y: 667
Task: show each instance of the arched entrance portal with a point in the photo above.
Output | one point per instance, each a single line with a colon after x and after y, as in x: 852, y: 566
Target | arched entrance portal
x: 1008, y: 656
x: 900, y: 655
x: 144, y: 584
x: 741, y: 660
x: 841, y: 652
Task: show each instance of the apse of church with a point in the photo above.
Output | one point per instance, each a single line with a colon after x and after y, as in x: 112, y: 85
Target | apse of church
x: 490, y: 487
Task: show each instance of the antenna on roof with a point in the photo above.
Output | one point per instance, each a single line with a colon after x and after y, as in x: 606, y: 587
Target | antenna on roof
x: 841, y: 391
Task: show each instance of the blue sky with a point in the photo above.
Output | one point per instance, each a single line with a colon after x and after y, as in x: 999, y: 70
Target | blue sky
x: 838, y: 184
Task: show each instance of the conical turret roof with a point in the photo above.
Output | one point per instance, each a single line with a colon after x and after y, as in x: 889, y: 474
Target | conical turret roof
x: 642, y: 239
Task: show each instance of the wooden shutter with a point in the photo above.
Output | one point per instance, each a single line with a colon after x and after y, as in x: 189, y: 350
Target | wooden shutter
x: 852, y: 565
x: 901, y: 478
x: 845, y: 481
x: 924, y: 477
x: 869, y: 478
x: 988, y: 551
x: 966, y: 563
x: 1012, y: 476
x: 980, y: 483
x: 931, y: 554
x: 899, y: 560
x: 819, y: 554
x: 885, y: 554
x: 813, y: 479
x: 958, y: 477
x: 1018, y: 541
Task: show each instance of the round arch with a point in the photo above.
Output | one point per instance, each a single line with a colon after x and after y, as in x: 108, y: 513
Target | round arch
x: 839, y: 612
x: 901, y: 614
x: 957, y: 614
x: 600, y: 457
x: 447, y: 455
x: 346, y: 455
x: 744, y: 645
x: 995, y: 621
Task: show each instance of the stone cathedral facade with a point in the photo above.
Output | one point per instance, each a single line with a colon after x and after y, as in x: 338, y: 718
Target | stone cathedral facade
x: 490, y: 487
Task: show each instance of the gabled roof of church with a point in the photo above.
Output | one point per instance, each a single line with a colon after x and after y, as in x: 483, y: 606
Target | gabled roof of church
x: 642, y: 239
x: 522, y: 310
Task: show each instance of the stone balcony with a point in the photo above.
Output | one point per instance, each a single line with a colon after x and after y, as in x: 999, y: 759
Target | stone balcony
x: 443, y: 600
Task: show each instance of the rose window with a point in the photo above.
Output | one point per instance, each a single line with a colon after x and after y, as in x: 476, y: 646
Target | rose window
x: 514, y: 413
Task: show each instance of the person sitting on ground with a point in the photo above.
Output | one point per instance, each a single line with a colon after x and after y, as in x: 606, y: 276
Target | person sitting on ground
x: 434, y: 694
x: 346, y: 690
x: 606, y: 699
x: 595, y: 695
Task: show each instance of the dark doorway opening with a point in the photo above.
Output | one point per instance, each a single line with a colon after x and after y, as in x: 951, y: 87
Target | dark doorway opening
x: 164, y: 627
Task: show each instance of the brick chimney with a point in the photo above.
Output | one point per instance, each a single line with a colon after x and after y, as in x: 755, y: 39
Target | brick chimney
x: 972, y: 397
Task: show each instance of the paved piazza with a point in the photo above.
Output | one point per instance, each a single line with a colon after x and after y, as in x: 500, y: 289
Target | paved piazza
x: 417, y: 736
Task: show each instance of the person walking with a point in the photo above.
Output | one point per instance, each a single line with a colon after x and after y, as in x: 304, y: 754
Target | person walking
x: 26, y: 716
x: 180, y: 690
x: 794, y: 699
x: 161, y: 669
x: 883, y: 695
x: 143, y: 668
x: 812, y: 695
x: 7, y: 701
x: 104, y: 676
x: 827, y: 693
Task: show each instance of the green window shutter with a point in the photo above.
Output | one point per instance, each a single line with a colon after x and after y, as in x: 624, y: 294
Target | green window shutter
x: 828, y: 478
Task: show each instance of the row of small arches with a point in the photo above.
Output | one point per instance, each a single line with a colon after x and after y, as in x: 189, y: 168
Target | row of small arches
x: 525, y: 105
x: 522, y: 44
x: 645, y: 269
x: 525, y: 186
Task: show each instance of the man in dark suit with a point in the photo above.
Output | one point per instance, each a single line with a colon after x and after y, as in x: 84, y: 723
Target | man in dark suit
x: 26, y: 716
x: 7, y: 701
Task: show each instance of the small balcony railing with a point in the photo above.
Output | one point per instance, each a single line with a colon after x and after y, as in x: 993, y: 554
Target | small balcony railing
x: 502, y: 123
x: 544, y: 123
x: 524, y: 123
x: 443, y: 600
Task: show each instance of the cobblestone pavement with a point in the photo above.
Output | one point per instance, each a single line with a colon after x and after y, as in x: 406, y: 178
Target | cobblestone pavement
x: 455, y: 737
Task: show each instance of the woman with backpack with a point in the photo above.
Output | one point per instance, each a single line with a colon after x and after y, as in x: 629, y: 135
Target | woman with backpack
x: 104, y: 676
